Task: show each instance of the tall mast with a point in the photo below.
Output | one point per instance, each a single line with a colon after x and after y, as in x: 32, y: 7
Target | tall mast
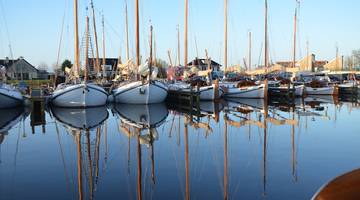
x: 226, y: 33
x: 86, y: 50
x: 250, y: 46
x: 178, y: 45
x: 186, y: 34
x: 104, y: 56
x: 154, y: 61
x: 97, y: 64
x: 266, y: 62
x: 137, y: 33
x: 151, y: 52
x: 295, y: 28
x: 77, y: 69
x: 126, y: 32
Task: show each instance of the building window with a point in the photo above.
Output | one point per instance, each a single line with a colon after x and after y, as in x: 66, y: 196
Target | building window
x: 25, y: 76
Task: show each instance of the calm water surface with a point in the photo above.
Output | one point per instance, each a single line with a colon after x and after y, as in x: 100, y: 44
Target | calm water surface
x: 237, y: 149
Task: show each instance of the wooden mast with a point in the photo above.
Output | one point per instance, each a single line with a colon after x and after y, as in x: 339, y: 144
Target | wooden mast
x: 186, y: 34
x: 178, y: 45
x: 295, y: 29
x: 151, y: 52
x: 266, y: 62
x: 137, y: 33
x: 76, y: 39
x: 226, y: 34
x: 97, y: 64
x: 86, y: 73
x: 104, y: 56
x: 126, y: 32
x: 250, y: 49
x: 154, y: 60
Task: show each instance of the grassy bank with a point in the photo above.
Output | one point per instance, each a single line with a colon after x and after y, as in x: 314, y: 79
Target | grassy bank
x: 31, y: 83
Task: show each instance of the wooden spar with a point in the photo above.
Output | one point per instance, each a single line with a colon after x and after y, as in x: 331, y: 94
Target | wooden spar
x: 151, y: 52
x: 139, y: 174
x: 169, y: 55
x: 225, y: 159
x: 137, y: 42
x: 266, y: 37
x: 97, y: 64
x: 295, y: 29
x: 266, y: 62
x: 178, y: 45
x: 226, y: 34
x: 250, y: 46
x: 186, y: 34
x: 186, y: 135
x: 154, y: 60
x: 126, y: 32
x: 76, y: 39
x: 79, y: 164
x: 104, y: 48
x: 86, y: 73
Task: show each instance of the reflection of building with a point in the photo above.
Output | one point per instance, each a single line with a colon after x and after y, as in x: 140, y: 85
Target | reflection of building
x: 202, y: 64
x: 20, y: 69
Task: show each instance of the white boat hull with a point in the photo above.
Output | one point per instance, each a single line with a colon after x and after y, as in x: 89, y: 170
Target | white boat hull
x: 252, y: 92
x: 141, y: 93
x: 299, y: 90
x: 79, y: 96
x: 207, y: 93
x: 9, y: 97
x: 320, y: 91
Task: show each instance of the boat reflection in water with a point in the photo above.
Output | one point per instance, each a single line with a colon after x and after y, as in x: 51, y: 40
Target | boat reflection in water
x: 80, y: 119
x: 140, y: 122
x: 9, y: 118
x: 142, y: 116
x: 79, y: 123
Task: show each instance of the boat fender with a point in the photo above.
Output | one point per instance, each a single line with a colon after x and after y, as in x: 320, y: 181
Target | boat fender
x: 142, y: 90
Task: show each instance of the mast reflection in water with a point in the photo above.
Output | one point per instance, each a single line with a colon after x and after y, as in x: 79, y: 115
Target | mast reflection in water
x: 238, y: 148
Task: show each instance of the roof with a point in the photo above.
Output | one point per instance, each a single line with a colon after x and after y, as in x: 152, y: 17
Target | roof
x: 201, y: 61
x: 9, y: 62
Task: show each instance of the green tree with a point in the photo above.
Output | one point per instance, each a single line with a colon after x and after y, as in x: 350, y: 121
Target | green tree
x: 67, y: 63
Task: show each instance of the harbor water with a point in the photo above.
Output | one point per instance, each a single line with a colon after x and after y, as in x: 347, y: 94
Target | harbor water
x: 234, y: 149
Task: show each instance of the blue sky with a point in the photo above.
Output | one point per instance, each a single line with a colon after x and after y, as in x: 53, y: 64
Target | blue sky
x: 34, y: 27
